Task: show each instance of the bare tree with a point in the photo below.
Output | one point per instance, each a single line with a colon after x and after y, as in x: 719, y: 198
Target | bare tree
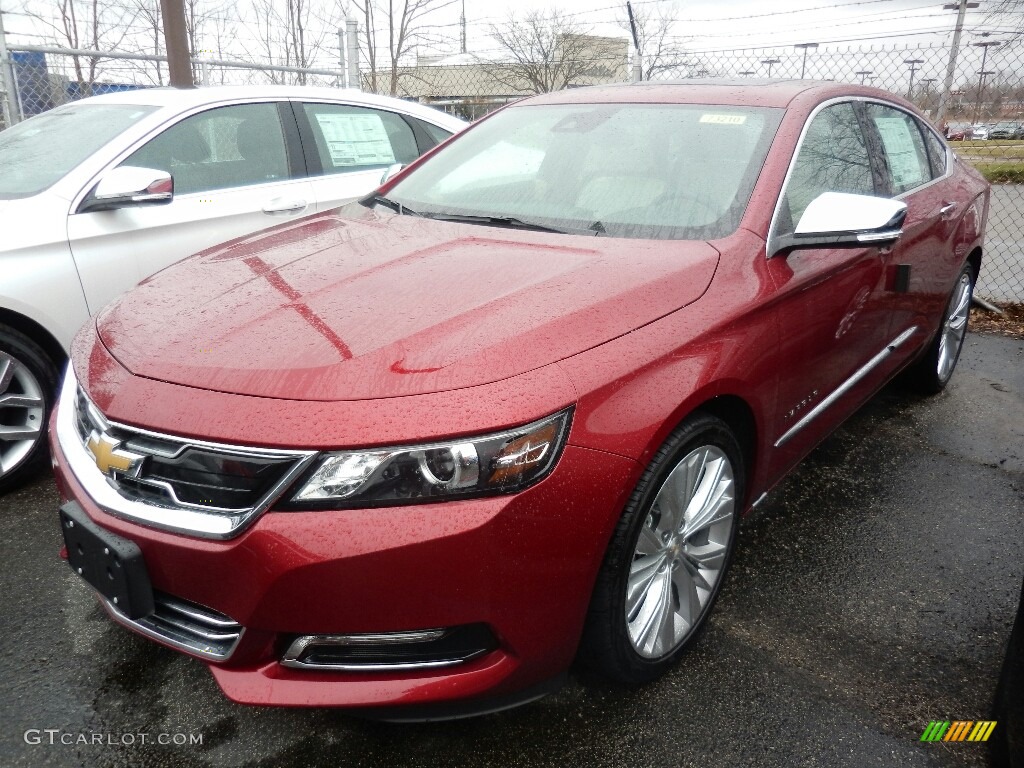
x: 95, y: 25
x: 392, y: 30
x: 292, y: 34
x: 548, y: 50
x: 660, y: 48
x: 1008, y: 13
x: 368, y: 11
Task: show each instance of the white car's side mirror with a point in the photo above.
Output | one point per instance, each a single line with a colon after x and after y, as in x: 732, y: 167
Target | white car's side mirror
x: 390, y: 171
x: 129, y: 186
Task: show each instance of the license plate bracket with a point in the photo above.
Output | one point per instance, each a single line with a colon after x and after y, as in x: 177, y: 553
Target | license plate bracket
x: 112, y: 565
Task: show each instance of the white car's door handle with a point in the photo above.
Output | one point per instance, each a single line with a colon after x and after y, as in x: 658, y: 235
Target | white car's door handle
x: 278, y: 206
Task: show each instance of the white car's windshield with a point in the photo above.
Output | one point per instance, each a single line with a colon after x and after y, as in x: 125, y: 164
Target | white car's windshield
x: 666, y: 171
x: 42, y: 150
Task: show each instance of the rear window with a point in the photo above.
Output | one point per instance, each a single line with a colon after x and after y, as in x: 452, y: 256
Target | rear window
x: 39, y: 152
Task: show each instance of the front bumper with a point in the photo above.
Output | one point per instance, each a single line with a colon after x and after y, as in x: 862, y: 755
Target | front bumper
x: 523, y: 565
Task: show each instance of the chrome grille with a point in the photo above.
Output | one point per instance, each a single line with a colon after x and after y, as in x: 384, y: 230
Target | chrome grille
x: 201, y: 488
x: 187, y: 626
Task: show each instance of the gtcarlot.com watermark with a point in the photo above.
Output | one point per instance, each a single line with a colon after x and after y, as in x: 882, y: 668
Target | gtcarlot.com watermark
x: 58, y: 737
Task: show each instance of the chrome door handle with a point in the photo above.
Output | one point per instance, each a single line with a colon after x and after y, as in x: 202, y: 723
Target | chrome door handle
x: 284, y: 206
x: 947, y: 210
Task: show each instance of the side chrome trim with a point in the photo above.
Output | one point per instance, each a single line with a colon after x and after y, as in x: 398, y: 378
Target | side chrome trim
x: 191, y: 522
x: 847, y: 385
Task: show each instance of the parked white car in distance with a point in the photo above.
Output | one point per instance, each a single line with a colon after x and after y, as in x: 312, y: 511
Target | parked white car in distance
x: 98, y: 194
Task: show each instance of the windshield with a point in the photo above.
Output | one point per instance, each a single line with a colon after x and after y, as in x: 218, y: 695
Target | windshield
x: 42, y: 150
x: 665, y: 171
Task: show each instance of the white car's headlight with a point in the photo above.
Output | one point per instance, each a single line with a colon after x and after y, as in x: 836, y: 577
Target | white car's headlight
x: 506, y: 462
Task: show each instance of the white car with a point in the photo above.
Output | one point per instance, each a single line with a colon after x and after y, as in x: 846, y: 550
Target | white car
x: 98, y: 194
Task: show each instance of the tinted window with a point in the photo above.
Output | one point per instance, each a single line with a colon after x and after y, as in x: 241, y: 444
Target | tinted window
x: 435, y: 132
x: 359, y: 139
x: 902, y: 147
x: 833, y: 158
x: 668, y: 171
x: 42, y: 150
x: 936, y: 151
x: 220, y: 148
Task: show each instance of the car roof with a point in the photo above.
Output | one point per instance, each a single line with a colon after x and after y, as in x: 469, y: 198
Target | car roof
x: 180, y: 99
x: 722, y: 91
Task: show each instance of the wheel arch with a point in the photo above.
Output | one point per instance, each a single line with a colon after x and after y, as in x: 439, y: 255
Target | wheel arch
x: 36, y: 332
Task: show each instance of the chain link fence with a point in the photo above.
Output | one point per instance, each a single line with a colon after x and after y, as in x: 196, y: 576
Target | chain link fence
x: 981, y: 110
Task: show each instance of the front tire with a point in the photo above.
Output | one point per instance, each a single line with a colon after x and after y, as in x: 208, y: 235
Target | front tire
x: 669, y: 554
x: 28, y: 383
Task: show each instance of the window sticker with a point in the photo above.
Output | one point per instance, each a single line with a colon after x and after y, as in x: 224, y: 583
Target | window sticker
x: 356, y: 139
x: 899, y: 148
x: 724, y: 119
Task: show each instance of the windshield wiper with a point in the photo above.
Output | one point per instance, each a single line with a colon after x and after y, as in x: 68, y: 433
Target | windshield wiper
x: 387, y: 202
x: 506, y: 221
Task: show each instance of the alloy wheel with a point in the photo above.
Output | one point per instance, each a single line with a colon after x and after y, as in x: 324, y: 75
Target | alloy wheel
x: 680, y: 553
x: 22, y: 407
x: 954, y: 328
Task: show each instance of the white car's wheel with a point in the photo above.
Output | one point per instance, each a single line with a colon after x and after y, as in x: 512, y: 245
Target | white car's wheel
x: 28, y: 382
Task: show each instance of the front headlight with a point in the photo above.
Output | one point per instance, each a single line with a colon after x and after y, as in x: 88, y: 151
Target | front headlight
x: 506, y: 462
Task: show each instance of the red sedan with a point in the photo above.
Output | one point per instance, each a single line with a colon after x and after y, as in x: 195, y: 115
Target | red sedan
x: 416, y: 455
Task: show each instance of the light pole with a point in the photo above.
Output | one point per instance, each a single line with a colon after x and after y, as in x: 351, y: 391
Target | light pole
x: 984, y: 45
x: 865, y: 74
x: 913, y: 68
x: 770, y: 62
x: 806, y: 47
x: 961, y: 8
x: 927, y: 82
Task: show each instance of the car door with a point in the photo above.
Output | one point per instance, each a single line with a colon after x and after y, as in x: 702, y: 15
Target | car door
x: 924, y: 262
x: 237, y: 169
x: 349, y: 147
x: 829, y: 302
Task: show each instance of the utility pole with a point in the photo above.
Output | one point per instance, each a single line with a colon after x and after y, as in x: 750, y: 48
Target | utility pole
x: 462, y: 23
x: 638, y: 67
x: 9, y: 96
x: 984, y: 45
x: 179, y: 64
x: 864, y: 75
x: 913, y: 68
x: 352, y: 31
x: 341, y: 54
x: 770, y: 63
x: 806, y: 47
x: 961, y: 8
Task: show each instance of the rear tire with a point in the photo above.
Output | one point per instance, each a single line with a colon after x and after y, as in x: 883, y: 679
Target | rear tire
x: 28, y: 386
x: 932, y: 372
x: 669, y: 554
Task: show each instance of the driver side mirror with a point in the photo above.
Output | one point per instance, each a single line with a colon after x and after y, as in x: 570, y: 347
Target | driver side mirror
x: 127, y: 186
x: 841, y: 220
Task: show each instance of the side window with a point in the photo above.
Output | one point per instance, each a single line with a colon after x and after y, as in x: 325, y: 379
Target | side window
x: 936, y: 151
x: 219, y: 149
x: 903, y: 147
x: 358, y: 138
x: 436, y: 133
x: 833, y: 158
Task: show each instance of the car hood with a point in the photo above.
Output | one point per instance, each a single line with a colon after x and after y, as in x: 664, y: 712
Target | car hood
x: 361, y: 305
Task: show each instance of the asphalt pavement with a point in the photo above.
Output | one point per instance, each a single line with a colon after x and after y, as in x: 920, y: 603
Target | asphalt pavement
x: 871, y: 593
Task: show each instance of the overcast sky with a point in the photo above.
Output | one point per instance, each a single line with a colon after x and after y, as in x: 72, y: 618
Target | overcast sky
x: 704, y: 25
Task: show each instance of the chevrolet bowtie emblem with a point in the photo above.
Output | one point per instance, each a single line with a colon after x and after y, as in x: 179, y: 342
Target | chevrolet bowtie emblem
x: 110, y: 457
